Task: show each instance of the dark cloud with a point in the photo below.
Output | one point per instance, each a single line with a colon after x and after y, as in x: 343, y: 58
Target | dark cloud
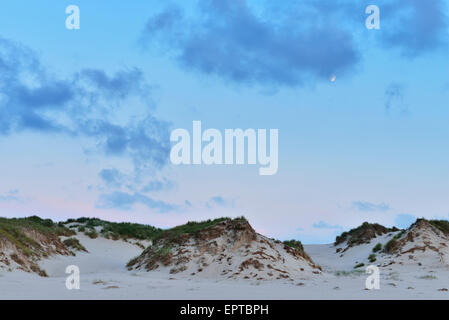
x: 31, y: 98
x: 228, y: 39
x: 368, y: 206
x: 126, y: 201
x: 414, y: 27
x: 289, y: 43
x: 120, y: 85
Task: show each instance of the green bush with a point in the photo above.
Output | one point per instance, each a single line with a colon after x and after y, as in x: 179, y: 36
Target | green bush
x: 377, y: 247
x: 372, y: 257
x: 91, y: 234
x: 192, y: 228
x: 442, y: 225
x: 74, y: 244
x: 362, y: 234
x: 15, y: 231
x: 294, y: 244
x: 359, y: 265
x: 391, y: 246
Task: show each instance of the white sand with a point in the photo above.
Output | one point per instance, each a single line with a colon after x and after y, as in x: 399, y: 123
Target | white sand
x: 104, y: 276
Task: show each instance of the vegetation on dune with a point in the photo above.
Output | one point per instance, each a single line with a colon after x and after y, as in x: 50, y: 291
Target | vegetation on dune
x: 116, y: 230
x: 126, y: 230
x: 362, y: 234
x: 359, y: 265
x: 15, y: 230
x: 392, y: 245
x: 372, y: 257
x: 22, y: 231
x: 91, y: 233
x: 192, y: 228
x: 74, y: 244
x: 295, y: 244
x: 131, y: 230
x: 377, y: 247
x: 346, y: 273
x: 442, y: 225
x: 165, y: 240
x: 428, y: 277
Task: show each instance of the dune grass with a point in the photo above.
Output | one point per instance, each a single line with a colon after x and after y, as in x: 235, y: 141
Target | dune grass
x: 362, y: 234
x: 15, y: 231
x: 442, y: 225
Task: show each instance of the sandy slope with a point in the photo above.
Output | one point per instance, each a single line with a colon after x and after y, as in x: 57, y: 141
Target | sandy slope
x: 104, y: 276
x: 230, y: 249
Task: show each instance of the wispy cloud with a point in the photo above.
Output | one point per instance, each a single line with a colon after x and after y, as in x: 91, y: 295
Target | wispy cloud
x: 219, y: 201
x: 127, y: 201
x: 368, y: 206
x: 394, y: 97
x: 324, y: 225
x: 158, y: 185
x: 11, y: 196
x: 82, y: 104
x: 112, y: 177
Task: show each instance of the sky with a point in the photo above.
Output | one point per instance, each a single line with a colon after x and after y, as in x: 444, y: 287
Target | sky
x: 86, y: 114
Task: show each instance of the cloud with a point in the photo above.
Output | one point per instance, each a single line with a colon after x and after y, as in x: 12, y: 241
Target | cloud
x: 414, y: 27
x: 290, y: 43
x: 394, y: 96
x: 11, y: 196
x: 369, y: 207
x: 112, y: 177
x: 219, y: 201
x: 146, y: 141
x: 232, y: 40
x: 324, y: 225
x: 82, y: 104
x: 126, y: 201
x: 157, y: 185
x: 404, y: 221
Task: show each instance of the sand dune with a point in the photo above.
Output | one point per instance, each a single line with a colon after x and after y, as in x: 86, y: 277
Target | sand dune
x: 104, y: 274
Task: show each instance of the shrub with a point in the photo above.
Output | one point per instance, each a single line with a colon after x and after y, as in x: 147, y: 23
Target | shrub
x: 190, y: 227
x: 74, y: 244
x: 359, y: 265
x: 362, y: 234
x: 294, y: 244
x: 91, y: 234
x: 372, y: 257
x: 428, y: 277
x: 442, y: 225
x: 391, y: 246
x: 377, y: 247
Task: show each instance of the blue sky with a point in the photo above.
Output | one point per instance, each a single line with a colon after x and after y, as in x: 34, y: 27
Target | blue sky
x: 85, y: 115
